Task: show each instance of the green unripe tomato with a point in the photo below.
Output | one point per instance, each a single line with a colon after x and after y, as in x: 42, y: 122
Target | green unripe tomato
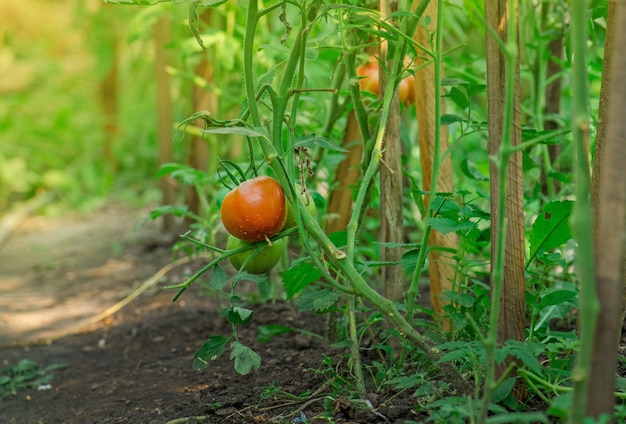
x: 291, y: 211
x: 262, y: 262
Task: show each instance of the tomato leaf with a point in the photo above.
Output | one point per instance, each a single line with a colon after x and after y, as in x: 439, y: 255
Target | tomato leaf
x: 551, y: 228
x: 245, y: 358
x: 245, y: 131
x: 449, y: 119
x: 240, y: 316
x: 447, y: 225
x: 194, y: 25
x: 212, y: 349
x: 312, y: 140
x: 319, y: 300
x: 218, y: 278
x: 300, y: 275
x: 266, y: 333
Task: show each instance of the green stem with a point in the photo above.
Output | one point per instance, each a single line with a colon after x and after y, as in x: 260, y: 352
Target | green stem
x: 582, y: 213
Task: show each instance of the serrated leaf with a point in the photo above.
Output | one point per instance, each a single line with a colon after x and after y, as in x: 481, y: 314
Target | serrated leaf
x: 299, y: 276
x: 453, y: 356
x: 503, y: 390
x: 245, y: 358
x: 212, y: 349
x: 159, y: 211
x: 525, y: 352
x: 406, y: 382
x: 557, y: 297
x: 319, y: 300
x: 446, y: 225
x: 551, y: 228
x: 240, y: 316
x: 312, y: 140
x: 246, y: 276
x: 464, y: 299
x: 218, y: 278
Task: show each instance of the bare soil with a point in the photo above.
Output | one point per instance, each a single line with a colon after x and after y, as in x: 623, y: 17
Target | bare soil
x: 136, y: 365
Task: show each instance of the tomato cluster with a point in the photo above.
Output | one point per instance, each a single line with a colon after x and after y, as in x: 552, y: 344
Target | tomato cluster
x: 255, y: 211
x: 370, y: 81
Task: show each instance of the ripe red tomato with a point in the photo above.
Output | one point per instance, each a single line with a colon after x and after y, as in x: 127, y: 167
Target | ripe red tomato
x: 262, y: 262
x: 254, y: 210
x: 291, y: 212
x: 371, y: 81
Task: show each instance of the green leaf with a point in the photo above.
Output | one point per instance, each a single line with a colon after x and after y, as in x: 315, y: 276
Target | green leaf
x: 459, y: 97
x: 525, y: 352
x: 266, y: 333
x: 446, y: 225
x: 177, y: 211
x: 339, y: 238
x: 519, y: 417
x: 449, y: 119
x: 551, y: 228
x: 218, y: 278
x: 253, y: 278
x: 470, y: 170
x: 240, y: 316
x: 464, y: 299
x: 212, y: 349
x: 319, y: 300
x: 557, y: 297
x: 300, y: 275
x: 245, y: 358
x: 409, y: 260
x: 247, y: 132
x: 312, y: 140
x: 503, y: 390
x: 194, y: 25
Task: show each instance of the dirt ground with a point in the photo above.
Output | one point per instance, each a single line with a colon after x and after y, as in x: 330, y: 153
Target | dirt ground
x: 136, y: 365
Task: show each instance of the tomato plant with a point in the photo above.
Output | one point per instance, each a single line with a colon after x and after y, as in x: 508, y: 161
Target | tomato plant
x: 370, y: 81
x: 262, y: 262
x: 255, y: 210
x: 307, y: 200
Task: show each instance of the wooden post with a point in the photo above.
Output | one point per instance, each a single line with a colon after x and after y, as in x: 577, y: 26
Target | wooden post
x: 609, y: 197
x: 391, y: 182
x: 512, y: 318
x: 441, y: 273
x: 164, y: 113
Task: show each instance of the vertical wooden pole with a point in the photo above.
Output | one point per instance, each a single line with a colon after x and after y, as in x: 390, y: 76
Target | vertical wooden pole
x: 164, y: 113
x: 609, y: 197
x: 347, y: 175
x: 441, y: 270
x: 203, y: 99
x: 391, y: 186
x: 512, y: 318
